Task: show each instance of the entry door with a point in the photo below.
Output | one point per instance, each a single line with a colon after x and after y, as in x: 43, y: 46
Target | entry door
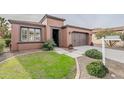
x: 55, y: 36
x: 79, y: 39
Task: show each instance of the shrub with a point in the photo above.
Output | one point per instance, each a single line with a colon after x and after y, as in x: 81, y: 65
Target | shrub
x: 49, y: 45
x: 97, y: 69
x: 2, y: 45
x: 7, y: 41
x: 94, y: 53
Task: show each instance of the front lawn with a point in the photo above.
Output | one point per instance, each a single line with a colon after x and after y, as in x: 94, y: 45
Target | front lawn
x: 46, y: 65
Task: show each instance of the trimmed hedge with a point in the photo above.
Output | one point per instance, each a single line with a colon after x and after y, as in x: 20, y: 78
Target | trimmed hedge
x: 2, y: 45
x: 94, y: 53
x: 97, y: 69
x: 49, y: 45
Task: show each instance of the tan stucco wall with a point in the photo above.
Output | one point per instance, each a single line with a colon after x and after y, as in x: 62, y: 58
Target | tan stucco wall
x: 27, y: 46
x: 44, y: 22
x: 55, y: 22
x: 95, y: 40
x: 64, y: 37
x: 51, y: 23
x: 15, y: 37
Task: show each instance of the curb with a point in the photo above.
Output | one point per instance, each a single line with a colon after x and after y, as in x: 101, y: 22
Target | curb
x: 78, y: 69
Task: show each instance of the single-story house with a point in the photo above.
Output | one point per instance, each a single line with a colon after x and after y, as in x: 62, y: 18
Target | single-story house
x: 32, y: 35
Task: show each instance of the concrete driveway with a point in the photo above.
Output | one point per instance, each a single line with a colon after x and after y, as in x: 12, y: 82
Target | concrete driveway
x: 117, y: 55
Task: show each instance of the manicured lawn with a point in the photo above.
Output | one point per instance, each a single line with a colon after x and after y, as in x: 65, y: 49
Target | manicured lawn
x: 47, y: 65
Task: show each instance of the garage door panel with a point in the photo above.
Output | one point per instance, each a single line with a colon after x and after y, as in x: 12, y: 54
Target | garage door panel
x: 73, y: 40
x: 79, y: 39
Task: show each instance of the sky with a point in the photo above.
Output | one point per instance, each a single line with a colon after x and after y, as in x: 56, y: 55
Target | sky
x: 83, y: 20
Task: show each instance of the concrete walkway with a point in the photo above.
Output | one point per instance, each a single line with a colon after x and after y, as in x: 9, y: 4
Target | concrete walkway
x: 117, y: 55
x: 71, y: 54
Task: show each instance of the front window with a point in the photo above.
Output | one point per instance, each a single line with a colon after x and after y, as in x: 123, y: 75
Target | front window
x: 24, y: 34
x: 37, y: 35
x: 30, y: 34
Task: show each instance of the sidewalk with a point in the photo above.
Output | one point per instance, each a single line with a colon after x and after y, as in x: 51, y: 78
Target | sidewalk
x: 71, y: 54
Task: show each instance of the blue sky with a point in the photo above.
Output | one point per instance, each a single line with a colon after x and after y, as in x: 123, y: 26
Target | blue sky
x: 83, y: 20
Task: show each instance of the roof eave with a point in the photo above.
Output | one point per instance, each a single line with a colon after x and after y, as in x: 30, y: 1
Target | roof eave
x: 24, y: 23
x: 76, y: 27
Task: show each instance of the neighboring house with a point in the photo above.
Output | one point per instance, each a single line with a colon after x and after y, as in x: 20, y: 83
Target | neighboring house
x: 99, y: 42
x: 32, y: 35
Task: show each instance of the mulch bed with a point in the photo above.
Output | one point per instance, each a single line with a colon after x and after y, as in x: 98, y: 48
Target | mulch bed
x: 116, y: 69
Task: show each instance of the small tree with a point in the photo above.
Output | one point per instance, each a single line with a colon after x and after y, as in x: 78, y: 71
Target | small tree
x: 4, y: 28
x: 107, y: 32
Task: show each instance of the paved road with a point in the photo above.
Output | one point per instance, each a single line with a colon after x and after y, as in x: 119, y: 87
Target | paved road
x: 117, y: 55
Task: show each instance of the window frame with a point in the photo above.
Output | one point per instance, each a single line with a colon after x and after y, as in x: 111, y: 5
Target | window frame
x: 21, y: 40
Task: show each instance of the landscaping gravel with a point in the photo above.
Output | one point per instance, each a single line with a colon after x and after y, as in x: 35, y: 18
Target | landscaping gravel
x: 116, y: 69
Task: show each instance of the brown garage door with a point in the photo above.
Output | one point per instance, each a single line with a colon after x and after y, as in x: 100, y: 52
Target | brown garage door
x: 79, y: 39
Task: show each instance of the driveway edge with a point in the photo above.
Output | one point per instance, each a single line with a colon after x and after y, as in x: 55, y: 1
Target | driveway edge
x: 78, y: 69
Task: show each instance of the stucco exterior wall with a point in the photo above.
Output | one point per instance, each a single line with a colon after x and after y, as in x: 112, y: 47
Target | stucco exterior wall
x: 15, y: 35
x: 44, y: 22
x: 48, y: 32
x: 55, y: 22
x: 15, y: 38
x: 95, y: 40
x: 51, y: 23
x: 64, y: 38
x: 26, y: 46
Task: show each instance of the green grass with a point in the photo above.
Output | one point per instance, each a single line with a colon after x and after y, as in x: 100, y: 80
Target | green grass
x: 46, y: 65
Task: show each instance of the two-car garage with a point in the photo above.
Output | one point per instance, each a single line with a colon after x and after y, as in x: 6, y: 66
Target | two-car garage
x: 79, y: 39
x: 76, y: 36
